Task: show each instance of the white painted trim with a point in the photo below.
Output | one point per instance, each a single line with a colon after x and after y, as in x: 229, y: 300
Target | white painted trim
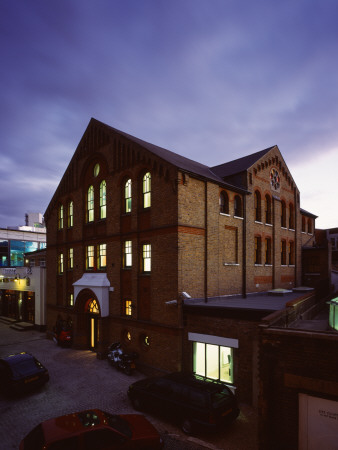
x: 216, y: 340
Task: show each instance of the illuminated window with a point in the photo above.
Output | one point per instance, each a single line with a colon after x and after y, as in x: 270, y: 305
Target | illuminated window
x: 224, y: 203
x: 70, y: 214
x: 238, y: 206
x: 291, y: 253
x: 93, y: 307
x: 102, y: 256
x: 146, y: 190
x: 90, y: 204
x: 127, y: 307
x: 60, y: 217
x: 258, y: 213
x: 291, y: 217
x: 213, y: 361
x: 60, y: 263
x: 96, y: 170
x: 70, y: 258
x: 71, y: 300
x: 258, y: 250
x: 268, y: 209
x: 145, y: 340
x: 103, y: 200
x: 333, y: 316
x: 127, y: 254
x: 90, y: 257
x: 283, y: 253
x: 127, y: 196
x: 283, y: 214
x: 268, y: 251
x: 146, y: 258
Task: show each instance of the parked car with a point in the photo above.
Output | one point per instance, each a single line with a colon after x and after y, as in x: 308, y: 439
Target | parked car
x: 192, y: 400
x: 93, y: 430
x: 21, y: 372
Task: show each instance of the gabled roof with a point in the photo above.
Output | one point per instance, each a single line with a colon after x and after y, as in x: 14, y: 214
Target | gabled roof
x: 240, y: 164
x: 181, y: 162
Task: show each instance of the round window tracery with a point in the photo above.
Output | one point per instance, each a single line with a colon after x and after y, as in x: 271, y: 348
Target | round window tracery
x: 93, y: 307
x: 275, y: 179
x: 96, y: 170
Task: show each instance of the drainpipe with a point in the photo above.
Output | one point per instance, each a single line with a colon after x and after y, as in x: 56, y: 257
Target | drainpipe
x: 244, y: 248
x: 206, y: 242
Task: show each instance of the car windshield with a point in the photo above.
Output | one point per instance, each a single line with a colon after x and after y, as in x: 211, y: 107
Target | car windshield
x: 119, y: 424
x: 24, y: 368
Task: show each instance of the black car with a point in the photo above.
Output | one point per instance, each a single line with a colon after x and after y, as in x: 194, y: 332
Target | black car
x: 21, y: 372
x: 190, y: 399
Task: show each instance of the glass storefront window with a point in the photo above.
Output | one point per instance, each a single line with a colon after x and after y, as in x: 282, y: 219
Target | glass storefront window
x: 213, y: 361
x: 3, y: 253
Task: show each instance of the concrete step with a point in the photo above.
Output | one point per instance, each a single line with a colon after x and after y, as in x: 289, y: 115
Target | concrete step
x: 22, y: 326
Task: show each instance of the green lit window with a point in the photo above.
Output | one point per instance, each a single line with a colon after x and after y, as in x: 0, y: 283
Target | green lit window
x: 127, y: 196
x: 146, y: 258
x: 70, y: 258
x: 146, y: 190
x: 60, y: 217
x: 60, y: 263
x: 90, y: 204
x: 127, y: 254
x: 102, y: 256
x: 103, y: 200
x: 70, y: 214
x: 333, y: 316
x: 90, y: 257
x: 213, y: 361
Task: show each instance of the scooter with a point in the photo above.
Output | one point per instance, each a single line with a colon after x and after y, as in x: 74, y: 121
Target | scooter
x: 121, y: 360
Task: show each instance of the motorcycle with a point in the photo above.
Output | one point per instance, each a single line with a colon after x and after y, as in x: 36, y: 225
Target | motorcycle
x: 121, y: 360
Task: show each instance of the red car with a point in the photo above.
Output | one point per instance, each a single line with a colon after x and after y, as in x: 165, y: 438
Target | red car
x: 93, y: 430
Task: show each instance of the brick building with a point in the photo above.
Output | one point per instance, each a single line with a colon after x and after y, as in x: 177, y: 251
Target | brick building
x: 133, y: 230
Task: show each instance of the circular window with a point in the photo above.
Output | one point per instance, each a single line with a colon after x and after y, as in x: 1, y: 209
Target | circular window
x: 96, y: 170
x: 274, y: 179
x: 145, y: 340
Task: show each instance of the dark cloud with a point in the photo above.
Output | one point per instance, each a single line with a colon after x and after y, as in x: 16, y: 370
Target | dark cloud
x: 210, y: 80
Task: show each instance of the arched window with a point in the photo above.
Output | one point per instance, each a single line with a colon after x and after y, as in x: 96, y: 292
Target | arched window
x: 283, y: 253
x: 146, y: 190
x: 103, y: 200
x: 60, y: 217
x: 268, y: 251
x: 258, y: 250
x: 268, y: 215
x: 291, y: 217
x: 127, y: 196
x: 70, y: 214
x: 93, y: 307
x: 291, y: 253
x: 258, y: 214
x: 90, y: 204
x: 224, y: 203
x: 283, y: 214
x: 238, y: 206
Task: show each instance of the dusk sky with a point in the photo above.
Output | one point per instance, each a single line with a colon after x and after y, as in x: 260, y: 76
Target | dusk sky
x: 212, y: 80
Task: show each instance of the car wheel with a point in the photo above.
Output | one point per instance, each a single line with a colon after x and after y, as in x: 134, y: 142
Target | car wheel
x: 137, y: 404
x: 187, y: 426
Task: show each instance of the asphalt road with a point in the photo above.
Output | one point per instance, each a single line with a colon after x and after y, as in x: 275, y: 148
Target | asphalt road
x: 78, y: 381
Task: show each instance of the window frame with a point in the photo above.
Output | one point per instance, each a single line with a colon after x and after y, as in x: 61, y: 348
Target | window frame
x: 238, y: 206
x: 283, y: 252
x: 146, y: 190
x: 127, y: 193
x: 90, y: 257
x: 60, y: 217
x: 224, y: 203
x: 102, y: 256
x: 70, y: 214
x: 268, y: 251
x: 103, y: 199
x: 146, y: 258
x: 90, y: 204
x: 258, y: 250
x: 127, y: 256
x: 60, y: 264
x: 70, y: 263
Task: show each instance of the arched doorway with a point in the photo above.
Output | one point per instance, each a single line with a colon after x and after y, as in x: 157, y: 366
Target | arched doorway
x: 93, y: 312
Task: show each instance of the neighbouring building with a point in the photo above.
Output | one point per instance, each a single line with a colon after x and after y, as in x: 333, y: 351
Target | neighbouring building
x: 298, y: 407
x: 142, y: 241
x: 23, y: 289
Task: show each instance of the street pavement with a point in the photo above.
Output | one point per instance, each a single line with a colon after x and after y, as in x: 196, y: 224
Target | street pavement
x: 78, y: 381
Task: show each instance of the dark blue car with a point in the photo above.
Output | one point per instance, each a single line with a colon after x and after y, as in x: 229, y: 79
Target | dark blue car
x: 21, y: 372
